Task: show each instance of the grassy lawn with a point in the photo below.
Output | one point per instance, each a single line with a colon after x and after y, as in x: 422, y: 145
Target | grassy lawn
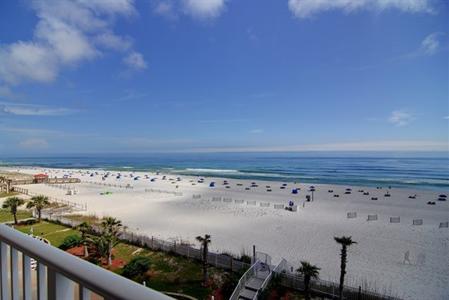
x: 53, y: 232
x: 6, y: 216
x: 10, y: 194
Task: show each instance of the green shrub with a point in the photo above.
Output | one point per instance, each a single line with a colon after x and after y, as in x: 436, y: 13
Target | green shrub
x: 70, y: 242
x: 137, y: 267
x: 246, y: 258
x: 28, y: 222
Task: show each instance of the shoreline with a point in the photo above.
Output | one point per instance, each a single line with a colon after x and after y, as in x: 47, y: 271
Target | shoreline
x: 227, y: 174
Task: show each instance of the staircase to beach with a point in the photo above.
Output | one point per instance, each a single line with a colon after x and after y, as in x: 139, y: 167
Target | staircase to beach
x: 255, y: 279
x: 254, y: 283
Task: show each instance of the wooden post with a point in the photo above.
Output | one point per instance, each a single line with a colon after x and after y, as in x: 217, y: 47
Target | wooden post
x: 254, y: 254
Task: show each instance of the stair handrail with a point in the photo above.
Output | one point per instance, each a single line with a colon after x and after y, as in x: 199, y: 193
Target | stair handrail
x: 243, y: 279
x: 267, y: 280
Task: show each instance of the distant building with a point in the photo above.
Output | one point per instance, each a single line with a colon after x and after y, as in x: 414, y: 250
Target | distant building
x: 40, y: 178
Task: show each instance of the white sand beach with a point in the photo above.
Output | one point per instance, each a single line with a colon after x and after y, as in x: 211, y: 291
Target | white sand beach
x: 376, y: 260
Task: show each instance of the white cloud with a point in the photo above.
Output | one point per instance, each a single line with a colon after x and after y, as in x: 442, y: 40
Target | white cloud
x: 166, y: 9
x: 112, y: 41
x: 400, y: 118
x: 33, y: 110
x: 67, y: 42
x: 27, y: 61
x: 67, y: 33
x: 204, y: 8
x: 125, y: 7
x: 307, y: 8
x: 34, y: 143
x: 135, y: 61
x: 199, y: 9
x: 30, y: 131
x: 447, y: 117
x: 431, y: 44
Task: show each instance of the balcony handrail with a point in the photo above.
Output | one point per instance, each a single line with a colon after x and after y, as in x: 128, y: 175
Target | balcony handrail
x: 98, y: 280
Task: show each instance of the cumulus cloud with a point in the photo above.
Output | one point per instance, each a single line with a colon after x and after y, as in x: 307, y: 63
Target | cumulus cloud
x: 199, y: 9
x: 67, y: 33
x: 307, y: 8
x: 400, y: 118
x: 113, y: 41
x: 135, y: 61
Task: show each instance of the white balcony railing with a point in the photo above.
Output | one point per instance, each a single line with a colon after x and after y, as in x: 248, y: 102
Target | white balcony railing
x: 59, y: 275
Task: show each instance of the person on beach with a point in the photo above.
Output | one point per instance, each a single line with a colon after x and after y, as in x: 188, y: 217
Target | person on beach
x: 407, y: 257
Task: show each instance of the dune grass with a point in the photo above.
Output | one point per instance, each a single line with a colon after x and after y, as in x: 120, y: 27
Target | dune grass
x: 171, y: 273
x: 90, y: 219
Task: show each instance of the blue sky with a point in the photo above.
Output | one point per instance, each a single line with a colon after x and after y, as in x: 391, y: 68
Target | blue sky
x: 107, y: 76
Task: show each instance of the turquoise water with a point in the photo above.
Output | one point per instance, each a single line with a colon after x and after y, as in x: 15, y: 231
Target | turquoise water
x: 420, y: 170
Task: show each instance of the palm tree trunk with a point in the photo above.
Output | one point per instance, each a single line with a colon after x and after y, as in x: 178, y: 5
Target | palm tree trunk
x: 205, y: 275
x: 307, y: 287
x: 86, y: 251
x: 110, y: 255
x: 39, y: 215
x: 342, y: 271
x: 15, y: 218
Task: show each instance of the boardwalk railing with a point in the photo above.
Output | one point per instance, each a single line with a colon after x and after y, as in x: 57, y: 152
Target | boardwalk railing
x: 214, y: 259
x: 267, y: 280
x: 59, y: 274
x: 329, y: 289
x: 70, y: 204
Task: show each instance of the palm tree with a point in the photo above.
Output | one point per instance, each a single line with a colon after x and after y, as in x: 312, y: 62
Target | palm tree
x: 345, y: 242
x: 12, y: 203
x: 309, y: 271
x: 39, y: 203
x: 205, y: 241
x: 85, y: 229
x: 110, y: 231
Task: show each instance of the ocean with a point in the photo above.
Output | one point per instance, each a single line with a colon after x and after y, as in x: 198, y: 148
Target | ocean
x: 410, y: 170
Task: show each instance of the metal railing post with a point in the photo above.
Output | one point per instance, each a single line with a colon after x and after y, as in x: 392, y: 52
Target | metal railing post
x: 84, y: 293
x: 15, y: 273
x: 59, y: 286
x: 41, y: 282
x: 5, y: 288
x: 26, y: 269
